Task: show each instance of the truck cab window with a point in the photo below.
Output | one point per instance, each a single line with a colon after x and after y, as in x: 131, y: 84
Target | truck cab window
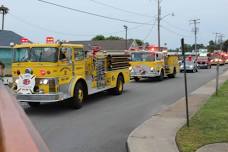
x: 79, y: 54
x: 65, y: 54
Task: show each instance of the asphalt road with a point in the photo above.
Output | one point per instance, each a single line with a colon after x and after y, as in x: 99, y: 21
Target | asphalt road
x: 104, y: 123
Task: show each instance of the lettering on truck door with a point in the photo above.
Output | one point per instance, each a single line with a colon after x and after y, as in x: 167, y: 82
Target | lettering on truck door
x: 65, y: 65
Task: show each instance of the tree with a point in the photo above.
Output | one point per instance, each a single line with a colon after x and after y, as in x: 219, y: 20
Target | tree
x: 198, y: 46
x: 212, y: 46
x: 114, y: 38
x: 98, y: 38
x: 139, y: 42
x: 188, y: 47
x: 225, y: 46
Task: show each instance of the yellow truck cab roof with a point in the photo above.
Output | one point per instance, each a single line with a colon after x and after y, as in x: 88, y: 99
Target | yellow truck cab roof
x: 30, y: 45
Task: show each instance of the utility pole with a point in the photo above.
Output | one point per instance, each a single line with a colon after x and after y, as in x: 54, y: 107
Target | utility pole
x: 221, y: 36
x: 196, y: 29
x: 159, y: 26
x: 3, y: 10
x: 126, y: 39
x: 216, y: 37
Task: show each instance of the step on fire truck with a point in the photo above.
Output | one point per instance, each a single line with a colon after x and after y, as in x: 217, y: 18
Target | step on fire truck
x: 153, y: 64
x: 53, y: 72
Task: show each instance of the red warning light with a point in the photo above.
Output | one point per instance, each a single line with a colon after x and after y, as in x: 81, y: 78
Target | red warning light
x: 49, y: 40
x: 189, y: 58
x: 24, y: 40
x: 42, y: 72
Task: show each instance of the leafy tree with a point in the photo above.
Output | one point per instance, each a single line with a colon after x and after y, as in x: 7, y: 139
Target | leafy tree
x: 225, y: 46
x: 139, y: 42
x: 198, y: 46
x: 98, y: 38
x: 114, y: 38
x: 188, y: 47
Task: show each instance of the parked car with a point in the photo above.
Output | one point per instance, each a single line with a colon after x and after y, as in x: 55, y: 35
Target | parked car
x: 191, y: 66
x: 203, y: 62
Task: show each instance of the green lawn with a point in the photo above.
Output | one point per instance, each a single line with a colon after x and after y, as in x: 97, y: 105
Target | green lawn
x: 209, y: 125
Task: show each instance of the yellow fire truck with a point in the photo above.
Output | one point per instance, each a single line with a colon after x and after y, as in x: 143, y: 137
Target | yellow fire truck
x: 54, y: 72
x: 153, y: 64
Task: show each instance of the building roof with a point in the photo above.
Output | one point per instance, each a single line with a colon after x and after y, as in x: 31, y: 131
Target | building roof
x: 106, y: 44
x: 6, y: 37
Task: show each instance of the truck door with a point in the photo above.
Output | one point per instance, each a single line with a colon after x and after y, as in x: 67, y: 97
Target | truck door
x: 65, y: 65
x: 79, y: 62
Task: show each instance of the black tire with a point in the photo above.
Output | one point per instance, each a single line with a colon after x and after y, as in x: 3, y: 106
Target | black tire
x: 173, y: 75
x: 118, y: 90
x: 137, y: 79
x: 34, y: 104
x: 194, y: 70
x: 161, y: 77
x: 79, y: 96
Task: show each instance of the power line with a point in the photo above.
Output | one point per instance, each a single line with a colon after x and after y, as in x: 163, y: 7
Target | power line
x: 149, y: 33
x: 120, y: 9
x: 64, y: 33
x: 174, y: 32
x: 176, y: 27
x: 93, y: 14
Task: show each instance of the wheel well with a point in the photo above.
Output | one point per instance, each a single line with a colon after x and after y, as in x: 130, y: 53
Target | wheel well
x: 83, y: 82
x: 121, y: 74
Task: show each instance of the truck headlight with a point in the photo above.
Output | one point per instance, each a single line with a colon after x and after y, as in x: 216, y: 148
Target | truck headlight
x: 152, y: 69
x: 17, y: 80
x: 130, y: 68
x: 44, y: 81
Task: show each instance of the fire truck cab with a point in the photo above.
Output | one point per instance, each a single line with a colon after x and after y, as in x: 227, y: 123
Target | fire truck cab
x: 153, y: 64
x: 53, y: 72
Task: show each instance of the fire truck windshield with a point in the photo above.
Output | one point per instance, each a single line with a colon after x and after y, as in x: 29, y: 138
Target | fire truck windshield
x: 143, y: 56
x: 36, y: 54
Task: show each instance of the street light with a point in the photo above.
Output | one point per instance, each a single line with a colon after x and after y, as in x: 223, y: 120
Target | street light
x: 3, y: 10
x: 159, y: 24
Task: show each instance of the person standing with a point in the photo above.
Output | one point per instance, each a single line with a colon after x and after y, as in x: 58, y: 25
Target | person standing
x: 2, y: 67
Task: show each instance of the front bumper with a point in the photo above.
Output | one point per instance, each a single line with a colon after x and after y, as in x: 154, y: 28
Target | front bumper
x: 188, y: 69
x: 147, y: 75
x: 203, y: 65
x: 40, y: 97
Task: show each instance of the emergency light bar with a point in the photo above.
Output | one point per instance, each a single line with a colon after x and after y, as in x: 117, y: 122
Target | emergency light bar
x: 24, y: 40
x: 49, y: 40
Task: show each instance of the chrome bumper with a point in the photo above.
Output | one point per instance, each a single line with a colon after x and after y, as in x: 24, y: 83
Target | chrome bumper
x: 40, y: 97
x: 148, y: 75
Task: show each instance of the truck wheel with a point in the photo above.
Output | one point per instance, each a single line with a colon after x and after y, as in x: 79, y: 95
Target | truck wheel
x: 118, y: 90
x: 136, y: 79
x: 34, y: 104
x: 161, y: 77
x: 173, y: 75
x: 79, y: 96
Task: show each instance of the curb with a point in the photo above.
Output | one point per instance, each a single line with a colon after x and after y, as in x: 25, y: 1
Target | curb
x: 158, y: 134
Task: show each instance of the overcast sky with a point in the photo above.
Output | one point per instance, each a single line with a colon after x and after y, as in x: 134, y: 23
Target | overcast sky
x: 36, y: 20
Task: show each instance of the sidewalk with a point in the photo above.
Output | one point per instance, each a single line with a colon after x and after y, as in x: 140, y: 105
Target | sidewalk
x: 158, y: 133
